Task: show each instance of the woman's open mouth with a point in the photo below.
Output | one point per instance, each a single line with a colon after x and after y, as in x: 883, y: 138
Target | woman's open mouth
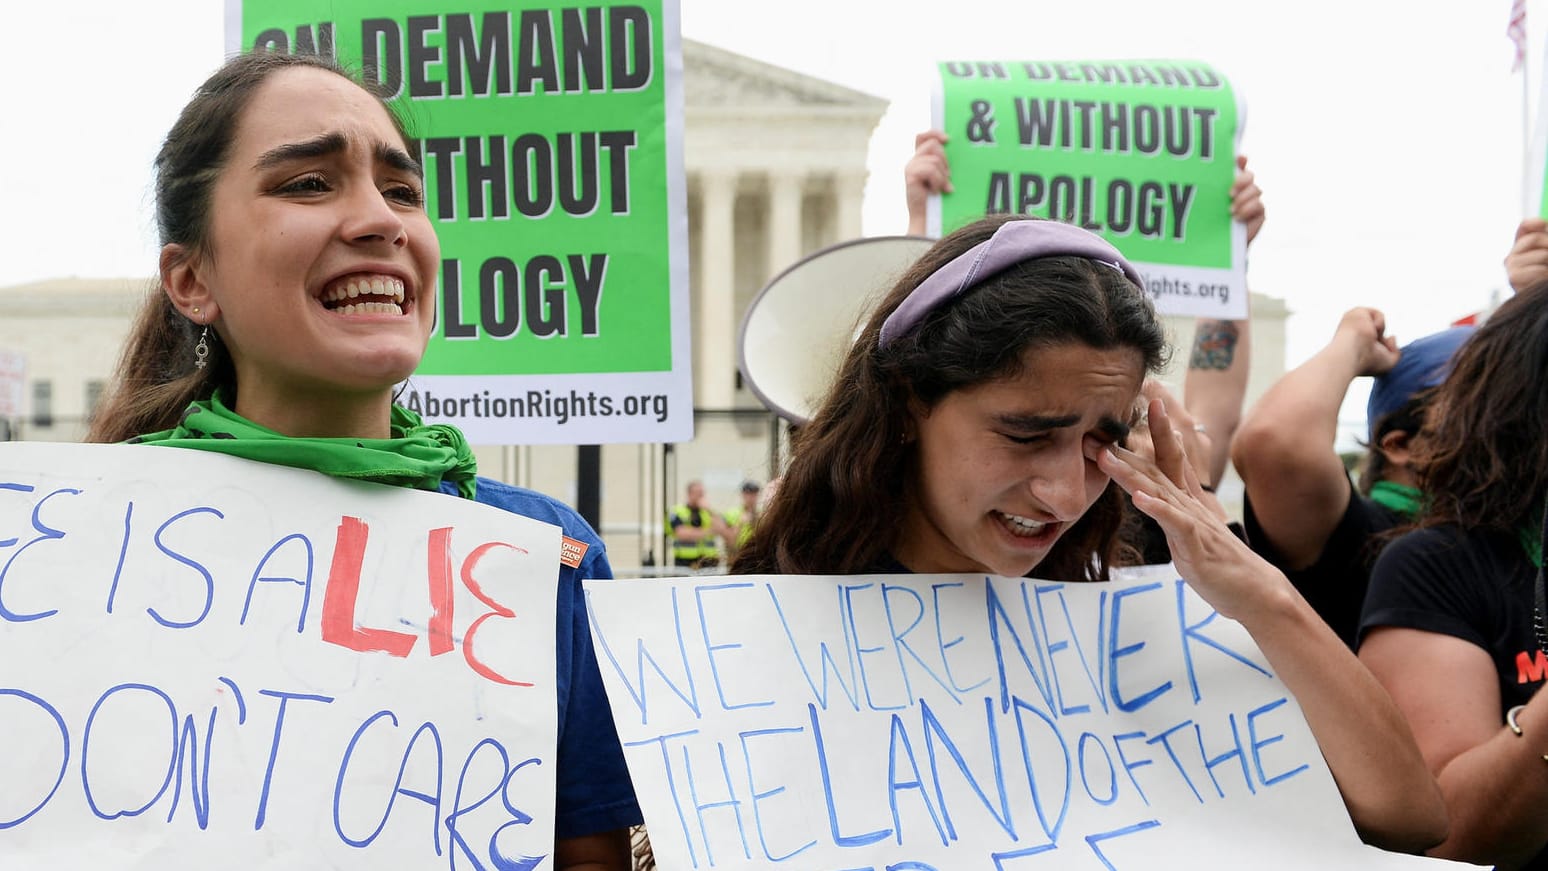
x: 1022, y: 526
x: 365, y: 295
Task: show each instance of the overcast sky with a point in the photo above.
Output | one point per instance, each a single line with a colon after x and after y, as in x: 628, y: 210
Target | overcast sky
x: 1387, y: 138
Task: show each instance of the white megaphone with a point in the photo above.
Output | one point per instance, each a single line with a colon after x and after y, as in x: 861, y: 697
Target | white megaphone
x: 799, y: 327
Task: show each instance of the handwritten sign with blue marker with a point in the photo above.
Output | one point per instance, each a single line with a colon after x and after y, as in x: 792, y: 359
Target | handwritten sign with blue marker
x: 214, y: 663
x: 960, y: 722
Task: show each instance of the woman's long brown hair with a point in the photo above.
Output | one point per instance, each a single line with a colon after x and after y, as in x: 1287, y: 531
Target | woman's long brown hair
x: 836, y: 508
x: 1482, y: 454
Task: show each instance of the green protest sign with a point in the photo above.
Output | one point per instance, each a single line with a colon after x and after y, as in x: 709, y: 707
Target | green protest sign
x: 551, y: 144
x: 1142, y: 152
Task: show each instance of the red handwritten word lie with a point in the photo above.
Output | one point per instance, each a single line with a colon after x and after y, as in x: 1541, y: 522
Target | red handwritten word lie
x: 343, y: 593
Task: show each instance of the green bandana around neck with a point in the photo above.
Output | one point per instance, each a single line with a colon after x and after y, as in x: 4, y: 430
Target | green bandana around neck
x: 415, y: 455
x: 1401, y: 498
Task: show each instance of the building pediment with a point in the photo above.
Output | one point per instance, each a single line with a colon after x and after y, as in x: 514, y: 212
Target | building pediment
x: 63, y: 298
x: 714, y: 77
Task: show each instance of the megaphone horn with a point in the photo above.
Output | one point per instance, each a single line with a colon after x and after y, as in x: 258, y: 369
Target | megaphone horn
x: 801, y: 324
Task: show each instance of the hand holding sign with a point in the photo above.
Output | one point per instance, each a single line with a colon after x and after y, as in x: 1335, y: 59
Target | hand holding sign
x: 1527, y: 262
x: 926, y: 174
x: 1246, y: 199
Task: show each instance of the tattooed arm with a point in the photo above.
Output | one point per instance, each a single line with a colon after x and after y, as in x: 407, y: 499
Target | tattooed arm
x: 1215, y: 385
x: 1216, y: 381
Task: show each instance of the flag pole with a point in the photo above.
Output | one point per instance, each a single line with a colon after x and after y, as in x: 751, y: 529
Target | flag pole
x: 1526, y: 136
x: 1517, y: 30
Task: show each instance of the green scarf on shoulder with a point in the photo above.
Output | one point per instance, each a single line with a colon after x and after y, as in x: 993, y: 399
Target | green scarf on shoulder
x: 1407, y: 501
x: 415, y: 455
x: 1399, y: 498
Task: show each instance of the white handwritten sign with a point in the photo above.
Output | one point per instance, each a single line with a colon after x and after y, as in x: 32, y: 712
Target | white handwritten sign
x: 957, y: 722
x: 212, y: 663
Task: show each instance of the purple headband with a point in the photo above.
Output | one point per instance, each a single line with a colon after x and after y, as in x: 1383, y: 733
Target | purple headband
x: 1014, y: 242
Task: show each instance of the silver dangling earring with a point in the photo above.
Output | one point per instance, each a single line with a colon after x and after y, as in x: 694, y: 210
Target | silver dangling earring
x: 202, y: 350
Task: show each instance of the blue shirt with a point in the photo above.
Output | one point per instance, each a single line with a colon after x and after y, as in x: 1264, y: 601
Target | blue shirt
x: 594, y: 790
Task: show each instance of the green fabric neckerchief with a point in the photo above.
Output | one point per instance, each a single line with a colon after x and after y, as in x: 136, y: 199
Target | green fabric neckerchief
x: 415, y: 455
x: 1400, y: 498
x: 1407, y: 500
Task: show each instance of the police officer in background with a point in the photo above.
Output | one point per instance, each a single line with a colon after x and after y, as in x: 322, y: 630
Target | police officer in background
x: 740, y: 520
x: 696, y: 531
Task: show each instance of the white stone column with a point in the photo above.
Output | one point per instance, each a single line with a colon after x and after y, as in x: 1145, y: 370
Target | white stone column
x: 715, y: 349
x: 784, y: 227
x: 848, y: 194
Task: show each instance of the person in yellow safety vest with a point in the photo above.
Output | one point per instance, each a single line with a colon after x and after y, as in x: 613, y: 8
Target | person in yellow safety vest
x: 696, y: 530
x: 740, y: 520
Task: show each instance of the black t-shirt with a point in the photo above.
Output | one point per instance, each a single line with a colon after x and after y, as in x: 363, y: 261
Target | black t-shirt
x: 1334, y: 585
x: 1474, y: 586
